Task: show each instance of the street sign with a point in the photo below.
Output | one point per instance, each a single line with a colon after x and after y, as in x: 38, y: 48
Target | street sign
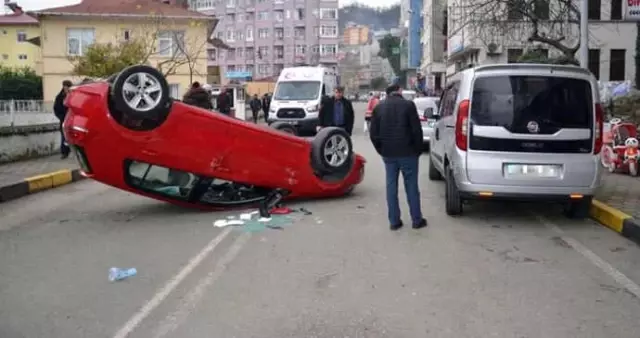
x: 632, y: 10
x: 395, y: 51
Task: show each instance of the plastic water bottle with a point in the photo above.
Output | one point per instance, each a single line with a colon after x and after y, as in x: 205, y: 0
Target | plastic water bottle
x: 116, y: 274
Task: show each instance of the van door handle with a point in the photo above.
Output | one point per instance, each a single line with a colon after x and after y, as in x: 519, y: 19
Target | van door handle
x: 449, y: 126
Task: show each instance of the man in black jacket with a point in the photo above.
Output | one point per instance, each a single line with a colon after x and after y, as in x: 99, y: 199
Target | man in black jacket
x: 255, y: 104
x: 266, y: 102
x: 336, y: 112
x: 396, y: 134
x: 198, y: 96
x: 60, y: 110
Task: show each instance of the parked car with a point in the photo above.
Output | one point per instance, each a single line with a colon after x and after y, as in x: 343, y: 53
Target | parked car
x: 519, y: 131
x: 129, y: 133
x: 427, y: 110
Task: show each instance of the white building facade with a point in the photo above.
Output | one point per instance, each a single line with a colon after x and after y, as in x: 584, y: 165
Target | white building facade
x: 611, y: 40
x: 434, y: 42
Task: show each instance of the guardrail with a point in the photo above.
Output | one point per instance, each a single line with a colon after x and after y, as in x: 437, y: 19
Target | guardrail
x: 18, y: 113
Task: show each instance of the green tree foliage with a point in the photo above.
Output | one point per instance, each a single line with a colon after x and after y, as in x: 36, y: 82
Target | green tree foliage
x: 20, y: 84
x: 101, y: 60
x: 390, y: 50
x: 534, y: 56
x: 379, y: 83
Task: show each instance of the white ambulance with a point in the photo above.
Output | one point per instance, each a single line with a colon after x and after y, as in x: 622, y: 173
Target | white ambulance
x: 297, y: 96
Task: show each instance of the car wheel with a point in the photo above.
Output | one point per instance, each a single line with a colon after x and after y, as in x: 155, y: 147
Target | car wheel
x: 578, y: 209
x: 453, y: 205
x: 434, y: 174
x: 141, y: 92
x: 332, y: 151
x: 284, y: 127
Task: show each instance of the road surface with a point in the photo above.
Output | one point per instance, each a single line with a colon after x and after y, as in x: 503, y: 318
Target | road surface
x: 501, y: 270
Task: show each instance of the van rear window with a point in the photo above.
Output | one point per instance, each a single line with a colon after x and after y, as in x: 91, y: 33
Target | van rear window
x: 514, y: 101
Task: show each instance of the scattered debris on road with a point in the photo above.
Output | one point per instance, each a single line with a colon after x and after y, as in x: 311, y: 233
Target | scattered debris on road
x: 256, y: 221
x: 117, y: 274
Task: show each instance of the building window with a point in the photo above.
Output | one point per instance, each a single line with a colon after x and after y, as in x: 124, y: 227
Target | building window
x: 263, y: 70
x: 279, y: 52
x: 239, y: 35
x: 263, y: 33
x: 299, y: 33
x: 264, y: 15
x: 231, y: 3
x: 249, y: 33
x: 328, y: 13
x: 300, y: 15
x: 541, y: 9
x: 616, y: 9
x: 278, y: 33
x: 79, y: 39
x: 170, y: 43
x: 278, y: 16
x: 5, y: 56
x: 199, y: 5
x: 594, y: 9
x: 513, y: 55
x: 230, y: 35
x: 263, y: 52
x: 240, y: 53
x: 220, y: 35
x: 328, y: 31
x: 22, y: 56
x: 300, y: 49
x: 231, y: 54
x: 617, y: 64
x: 250, y: 69
x: 594, y: 62
x: 328, y: 49
x: 230, y: 18
x: 515, y: 9
x: 21, y: 36
x: 213, y: 54
x: 250, y: 17
x: 174, y: 91
x: 231, y: 68
x: 126, y: 35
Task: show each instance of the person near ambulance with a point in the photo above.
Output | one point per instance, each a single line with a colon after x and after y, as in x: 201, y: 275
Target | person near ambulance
x: 255, y: 104
x: 336, y: 111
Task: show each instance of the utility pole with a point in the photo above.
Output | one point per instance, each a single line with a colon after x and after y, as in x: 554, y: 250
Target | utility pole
x: 584, y: 33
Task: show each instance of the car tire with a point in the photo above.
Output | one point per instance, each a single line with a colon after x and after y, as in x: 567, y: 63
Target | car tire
x: 332, y: 151
x: 434, y: 174
x: 453, y: 202
x: 578, y: 209
x: 284, y: 127
x: 141, y: 92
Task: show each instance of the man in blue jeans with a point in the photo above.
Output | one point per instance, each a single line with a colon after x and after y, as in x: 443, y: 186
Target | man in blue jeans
x: 396, y: 134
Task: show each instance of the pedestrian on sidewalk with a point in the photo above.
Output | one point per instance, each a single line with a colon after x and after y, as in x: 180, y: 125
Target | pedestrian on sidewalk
x: 336, y: 112
x: 255, y: 104
x: 266, y: 102
x: 60, y: 110
x: 396, y: 135
x: 373, y: 102
x: 198, y: 96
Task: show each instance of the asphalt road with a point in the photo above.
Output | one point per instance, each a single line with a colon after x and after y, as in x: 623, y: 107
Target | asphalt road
x: 501, y: 270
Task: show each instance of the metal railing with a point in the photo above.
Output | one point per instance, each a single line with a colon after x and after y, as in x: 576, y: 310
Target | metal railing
x: 15, y: 113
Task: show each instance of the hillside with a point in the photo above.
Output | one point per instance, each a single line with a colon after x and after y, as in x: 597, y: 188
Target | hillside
x: 375, y: 18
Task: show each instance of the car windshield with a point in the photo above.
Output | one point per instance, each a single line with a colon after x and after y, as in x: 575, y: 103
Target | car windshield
x: 425, y: 107
x: 408, y: 95
x: 297, y: 90
x: 514, y: 101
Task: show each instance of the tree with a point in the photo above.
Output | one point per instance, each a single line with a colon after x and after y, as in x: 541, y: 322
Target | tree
x: 350, y: 70
x: 552, y: 24
x: 390, y: 50
x: 20, y: 84
x: 102, y: 60
x: 378, y: 83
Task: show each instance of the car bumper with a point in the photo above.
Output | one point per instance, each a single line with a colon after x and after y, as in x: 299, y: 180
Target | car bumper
x: 426, y: 134
x: 304, y: 124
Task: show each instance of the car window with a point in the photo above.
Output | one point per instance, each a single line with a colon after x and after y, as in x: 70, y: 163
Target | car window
x: 160, y: 180
x: 298, y: 90
x: 449, y: 100
x: 514, y: 102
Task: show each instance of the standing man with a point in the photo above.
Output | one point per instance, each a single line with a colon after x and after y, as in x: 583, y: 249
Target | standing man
x: 397, y: 136
x: 223, y: 102
x: 266, y: 102
x: 60, y: 110
x: 198, y: 96
x: 337, y: 111
x: 255, y: 104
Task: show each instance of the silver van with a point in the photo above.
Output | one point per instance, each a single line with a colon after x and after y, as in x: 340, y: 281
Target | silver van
x: 519, y: 131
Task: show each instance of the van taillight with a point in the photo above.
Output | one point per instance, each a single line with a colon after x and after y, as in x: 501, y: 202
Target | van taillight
x: 462, y: 122
x: 597, y: 144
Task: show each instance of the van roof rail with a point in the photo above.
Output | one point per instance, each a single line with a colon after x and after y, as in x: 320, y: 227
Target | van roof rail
x: 517, y: 66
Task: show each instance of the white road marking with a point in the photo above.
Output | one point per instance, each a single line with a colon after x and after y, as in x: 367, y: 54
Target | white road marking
x: 176, y: 318
x: 603, y: 265
x: 166, y: 290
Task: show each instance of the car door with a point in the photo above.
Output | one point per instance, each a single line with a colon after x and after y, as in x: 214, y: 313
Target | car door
x: 449, y: 119
x: 444, y: 111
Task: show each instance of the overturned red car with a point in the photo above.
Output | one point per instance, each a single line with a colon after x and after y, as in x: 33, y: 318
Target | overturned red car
x: 127, y: 132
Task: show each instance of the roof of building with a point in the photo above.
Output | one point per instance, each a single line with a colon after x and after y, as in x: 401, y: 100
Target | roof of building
x: 126, y: 8
x: 18, y: 17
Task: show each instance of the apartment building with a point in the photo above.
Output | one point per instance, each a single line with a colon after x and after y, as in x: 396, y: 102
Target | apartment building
x: 434, y: 42
x: 265, y: 36
x: 611, y: 40
x: 355, y: 34
x: 17, y: 33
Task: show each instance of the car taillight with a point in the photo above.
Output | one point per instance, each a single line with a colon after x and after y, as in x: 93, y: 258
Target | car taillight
x: 597, y: 144
x: 462, y: 129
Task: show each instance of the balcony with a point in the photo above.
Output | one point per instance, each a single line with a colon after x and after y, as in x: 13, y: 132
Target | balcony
x: 329, y: 58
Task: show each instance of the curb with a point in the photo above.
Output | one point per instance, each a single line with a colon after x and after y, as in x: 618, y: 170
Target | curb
x: 39, y: 183
x: 616, y: 220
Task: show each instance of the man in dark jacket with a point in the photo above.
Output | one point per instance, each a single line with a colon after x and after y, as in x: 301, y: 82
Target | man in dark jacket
x: 198, y: 96
x: 224, y: 102
x: 255, y: 104
x: 336, y: 111
x: 396, y: 134
x: 266, y: 102
x: 60, y: 110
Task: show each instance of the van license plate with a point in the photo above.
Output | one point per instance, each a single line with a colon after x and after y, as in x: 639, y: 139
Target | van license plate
x: 533, y: 170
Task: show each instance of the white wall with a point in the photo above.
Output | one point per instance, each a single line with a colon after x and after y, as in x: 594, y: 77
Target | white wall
x: 22, y: 146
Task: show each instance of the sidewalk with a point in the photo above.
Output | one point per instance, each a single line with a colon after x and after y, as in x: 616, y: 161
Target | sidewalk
x: 21, y: 178
x: 620, y: 207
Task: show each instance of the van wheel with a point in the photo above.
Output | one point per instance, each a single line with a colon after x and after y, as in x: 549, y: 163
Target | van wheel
x: 578, y: 209
x: 434, y: 174
x: 141, y: 92
x: 453, y: 205
x: 332, y: 151
x: 284, y: 127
